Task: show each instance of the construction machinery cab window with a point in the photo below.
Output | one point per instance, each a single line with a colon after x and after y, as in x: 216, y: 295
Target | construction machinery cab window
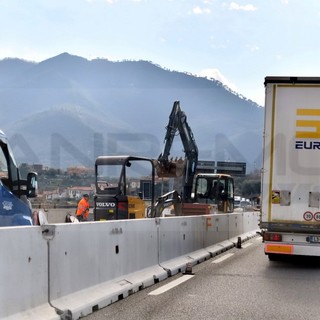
x: 211, y: 189
x: 121, y: 191
x: 215, y: 189
x: 108, y: 181
x: 121, y: 179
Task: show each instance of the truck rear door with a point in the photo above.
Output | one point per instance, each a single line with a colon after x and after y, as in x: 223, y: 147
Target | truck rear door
x: 291, y: 180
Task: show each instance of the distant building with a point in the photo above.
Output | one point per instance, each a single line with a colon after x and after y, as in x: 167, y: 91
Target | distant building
x: 51, y: 195
x: 78, y: 192
x: 37, y: 167
x: 79, y: 170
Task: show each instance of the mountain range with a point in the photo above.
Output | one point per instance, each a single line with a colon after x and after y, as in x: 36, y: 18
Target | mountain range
x: 65, y: 111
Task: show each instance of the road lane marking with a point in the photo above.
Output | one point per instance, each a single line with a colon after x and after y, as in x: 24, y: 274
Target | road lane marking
x: 246, y: 245
x: 226, y: 256
x: 171, y: 285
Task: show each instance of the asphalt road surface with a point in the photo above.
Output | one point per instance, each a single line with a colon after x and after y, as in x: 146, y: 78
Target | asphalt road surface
x: 239, y: 284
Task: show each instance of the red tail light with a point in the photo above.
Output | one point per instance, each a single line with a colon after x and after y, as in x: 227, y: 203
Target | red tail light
x: 272, y: 237
x: 122, y: 206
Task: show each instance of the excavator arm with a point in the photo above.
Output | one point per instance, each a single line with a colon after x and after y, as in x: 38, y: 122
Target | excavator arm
x: 170, y: 199
x: 175, y: 168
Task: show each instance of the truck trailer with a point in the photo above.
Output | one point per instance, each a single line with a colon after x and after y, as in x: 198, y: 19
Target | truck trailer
x: 290, y: 208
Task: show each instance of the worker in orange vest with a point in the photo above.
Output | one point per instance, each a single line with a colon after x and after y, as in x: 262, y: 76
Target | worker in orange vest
x: 82, y: 212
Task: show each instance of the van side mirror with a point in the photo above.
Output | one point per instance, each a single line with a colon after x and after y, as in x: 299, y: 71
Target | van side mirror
x: 32, y: 185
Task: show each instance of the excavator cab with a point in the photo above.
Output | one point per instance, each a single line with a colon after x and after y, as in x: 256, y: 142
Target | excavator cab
x: 216, y: 189
x: 118, y: 191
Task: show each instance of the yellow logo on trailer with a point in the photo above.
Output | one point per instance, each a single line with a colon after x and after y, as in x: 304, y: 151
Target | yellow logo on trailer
x: 310, y: 121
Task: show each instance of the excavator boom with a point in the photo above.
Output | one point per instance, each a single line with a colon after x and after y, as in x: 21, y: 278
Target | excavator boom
x: 179, y: 167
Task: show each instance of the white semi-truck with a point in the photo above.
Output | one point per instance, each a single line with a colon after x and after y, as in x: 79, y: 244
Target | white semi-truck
x: 290, y: 209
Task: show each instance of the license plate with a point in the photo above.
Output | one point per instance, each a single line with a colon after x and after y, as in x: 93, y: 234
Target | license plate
x: 313, y: 239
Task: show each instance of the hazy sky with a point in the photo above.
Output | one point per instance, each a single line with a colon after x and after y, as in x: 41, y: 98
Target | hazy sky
x: 239, y: 42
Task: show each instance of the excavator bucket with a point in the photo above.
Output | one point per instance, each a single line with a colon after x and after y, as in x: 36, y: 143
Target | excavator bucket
x: 170, y: 169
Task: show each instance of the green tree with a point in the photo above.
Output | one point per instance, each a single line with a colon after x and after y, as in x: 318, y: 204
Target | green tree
x: 248, y: 186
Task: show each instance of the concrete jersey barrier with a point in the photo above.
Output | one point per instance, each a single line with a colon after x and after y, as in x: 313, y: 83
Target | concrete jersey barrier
x: 67, y: 271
